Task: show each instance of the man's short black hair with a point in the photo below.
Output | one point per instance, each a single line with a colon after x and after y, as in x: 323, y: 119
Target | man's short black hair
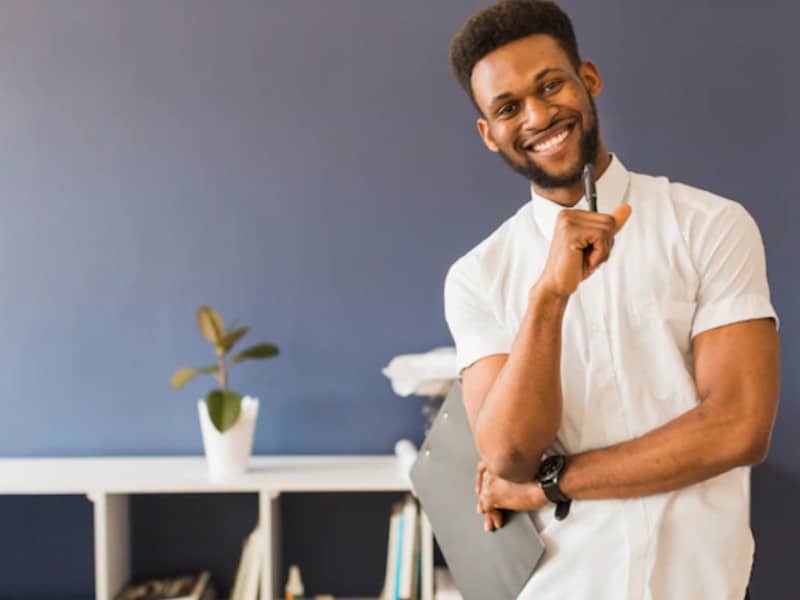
x: 505, y: 22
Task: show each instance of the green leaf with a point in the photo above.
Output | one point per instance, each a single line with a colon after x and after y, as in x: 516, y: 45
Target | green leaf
x: 210, y: 324
x: 259, y: 351
x: 181, y: 377
x: 233, y: 336
x: 224, y: 407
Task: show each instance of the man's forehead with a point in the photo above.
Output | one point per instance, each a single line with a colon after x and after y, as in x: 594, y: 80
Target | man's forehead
x: 503, y: 69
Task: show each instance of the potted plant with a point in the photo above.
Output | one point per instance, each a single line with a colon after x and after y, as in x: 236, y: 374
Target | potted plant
x: 227, y: 419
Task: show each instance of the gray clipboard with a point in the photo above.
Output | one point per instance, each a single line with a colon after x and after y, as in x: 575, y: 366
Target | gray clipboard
x: 484, y: 565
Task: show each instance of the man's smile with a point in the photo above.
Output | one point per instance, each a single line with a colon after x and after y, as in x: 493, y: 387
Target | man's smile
x: 551, y: 141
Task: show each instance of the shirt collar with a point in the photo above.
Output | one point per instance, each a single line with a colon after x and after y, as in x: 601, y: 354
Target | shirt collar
x: 611, y: 188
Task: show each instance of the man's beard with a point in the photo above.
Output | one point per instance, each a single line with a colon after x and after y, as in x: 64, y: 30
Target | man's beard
x: 541, y: 178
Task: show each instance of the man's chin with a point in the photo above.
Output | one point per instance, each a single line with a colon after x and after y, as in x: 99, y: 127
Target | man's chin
x: 548, y: 178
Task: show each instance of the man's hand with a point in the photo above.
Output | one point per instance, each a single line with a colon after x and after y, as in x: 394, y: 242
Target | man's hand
x: 582, y: 241
x: 495, y: 494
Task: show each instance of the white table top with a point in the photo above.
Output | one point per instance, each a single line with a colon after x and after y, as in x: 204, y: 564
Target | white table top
x: 173, y: 474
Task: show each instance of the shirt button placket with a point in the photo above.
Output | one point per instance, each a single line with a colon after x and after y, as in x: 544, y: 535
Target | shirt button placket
x: 609, y: 407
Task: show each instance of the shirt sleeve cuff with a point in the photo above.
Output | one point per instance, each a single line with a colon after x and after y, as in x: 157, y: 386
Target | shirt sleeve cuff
x: 732, y: 310
x: 480, y: 345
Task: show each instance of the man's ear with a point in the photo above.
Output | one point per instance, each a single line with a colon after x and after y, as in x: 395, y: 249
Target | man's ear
x: 591, y: 78
x: 486, y: 135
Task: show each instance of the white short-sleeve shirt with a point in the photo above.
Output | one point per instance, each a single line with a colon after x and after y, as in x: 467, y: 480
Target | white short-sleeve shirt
x: 686, y: 261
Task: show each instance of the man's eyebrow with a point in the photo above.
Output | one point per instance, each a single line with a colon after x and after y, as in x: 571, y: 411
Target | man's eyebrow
x: 545, y: 71
x: 537, y: 77
x: 500, y: 97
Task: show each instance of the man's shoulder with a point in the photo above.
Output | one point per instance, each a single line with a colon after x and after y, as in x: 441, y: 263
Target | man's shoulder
x: 687, y: 201
x: 671, y: 210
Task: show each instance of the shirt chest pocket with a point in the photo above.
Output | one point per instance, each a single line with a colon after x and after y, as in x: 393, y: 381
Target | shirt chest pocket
x: 658, y: 349
x: 658, y: 321
x: 656, y: 360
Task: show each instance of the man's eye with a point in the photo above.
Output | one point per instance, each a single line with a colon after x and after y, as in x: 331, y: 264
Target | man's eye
x: 506, y: 109
x: 553, y: 86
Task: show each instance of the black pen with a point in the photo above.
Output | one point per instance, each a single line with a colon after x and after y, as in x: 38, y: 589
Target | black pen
x: 589, y: 190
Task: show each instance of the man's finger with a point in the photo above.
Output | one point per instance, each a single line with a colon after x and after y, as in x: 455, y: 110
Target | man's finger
x: 621, y: 212
x: 479, y: 478
x: 497, y: 518
x: 600, y: 250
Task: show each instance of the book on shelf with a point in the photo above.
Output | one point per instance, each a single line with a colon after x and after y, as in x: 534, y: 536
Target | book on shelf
x: 390, y: 579
x: 426, y: 584
x: 409, y: 550
x: 248, y: 572
x: 407, y: 555
x: 196, y: 586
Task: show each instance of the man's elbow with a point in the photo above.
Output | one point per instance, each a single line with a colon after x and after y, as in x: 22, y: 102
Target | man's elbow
x: 512, y: 464
x: 513, y: 461
x: 752, y: 448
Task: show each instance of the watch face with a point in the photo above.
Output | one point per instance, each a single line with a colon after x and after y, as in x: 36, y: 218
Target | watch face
x: 551, y: 467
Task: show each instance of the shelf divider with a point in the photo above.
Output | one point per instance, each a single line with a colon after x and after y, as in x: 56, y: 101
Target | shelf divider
x: 270, y: 528
x: 112, y: 548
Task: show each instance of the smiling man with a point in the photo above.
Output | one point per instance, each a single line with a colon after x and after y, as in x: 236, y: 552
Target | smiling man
x: 620, y: 369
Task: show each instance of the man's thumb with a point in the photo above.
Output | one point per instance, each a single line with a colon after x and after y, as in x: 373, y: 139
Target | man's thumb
x: 621, y: 212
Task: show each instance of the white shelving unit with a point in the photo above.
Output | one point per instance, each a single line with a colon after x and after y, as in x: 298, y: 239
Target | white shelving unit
x: 108, y: 483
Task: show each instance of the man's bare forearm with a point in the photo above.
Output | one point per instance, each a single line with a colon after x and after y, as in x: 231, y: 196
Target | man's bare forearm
x: 700, y: 444
x: 521, y: 414
x: 696, y: 446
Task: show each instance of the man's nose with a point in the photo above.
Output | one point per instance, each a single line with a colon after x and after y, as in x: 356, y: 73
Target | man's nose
x: 537, y: 113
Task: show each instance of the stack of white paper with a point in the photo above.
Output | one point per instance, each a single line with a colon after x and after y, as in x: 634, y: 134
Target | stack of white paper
x: 429, y: 374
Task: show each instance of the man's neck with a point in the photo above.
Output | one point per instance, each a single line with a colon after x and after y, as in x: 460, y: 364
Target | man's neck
x: 570, y: 196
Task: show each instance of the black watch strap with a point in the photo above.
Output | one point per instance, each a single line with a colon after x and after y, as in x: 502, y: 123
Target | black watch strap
x: 554, y: 493
x: 562, y: 510
x: 549, y: 474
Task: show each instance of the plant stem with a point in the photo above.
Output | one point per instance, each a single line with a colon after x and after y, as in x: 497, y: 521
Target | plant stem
x: 223, y: 372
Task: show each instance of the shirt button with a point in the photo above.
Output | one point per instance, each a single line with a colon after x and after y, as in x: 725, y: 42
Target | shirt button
x: 606, y: 387
x: 596, y: 329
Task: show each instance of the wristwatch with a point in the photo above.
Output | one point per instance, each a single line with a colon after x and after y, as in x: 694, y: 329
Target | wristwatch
x: 549, y: 473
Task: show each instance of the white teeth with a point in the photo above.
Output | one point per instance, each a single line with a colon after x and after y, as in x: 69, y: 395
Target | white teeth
x: 553, y: 141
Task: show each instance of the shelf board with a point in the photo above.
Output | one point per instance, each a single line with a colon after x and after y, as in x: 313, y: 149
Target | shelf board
x: 176, y: 474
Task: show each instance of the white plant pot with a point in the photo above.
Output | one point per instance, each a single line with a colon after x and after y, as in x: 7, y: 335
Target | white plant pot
x: 228, y: 454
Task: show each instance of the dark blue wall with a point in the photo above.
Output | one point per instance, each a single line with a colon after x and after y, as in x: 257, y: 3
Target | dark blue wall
x: 311, y: 169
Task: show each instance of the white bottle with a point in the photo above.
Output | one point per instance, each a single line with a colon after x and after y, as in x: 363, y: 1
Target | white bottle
x: 294, y: 585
